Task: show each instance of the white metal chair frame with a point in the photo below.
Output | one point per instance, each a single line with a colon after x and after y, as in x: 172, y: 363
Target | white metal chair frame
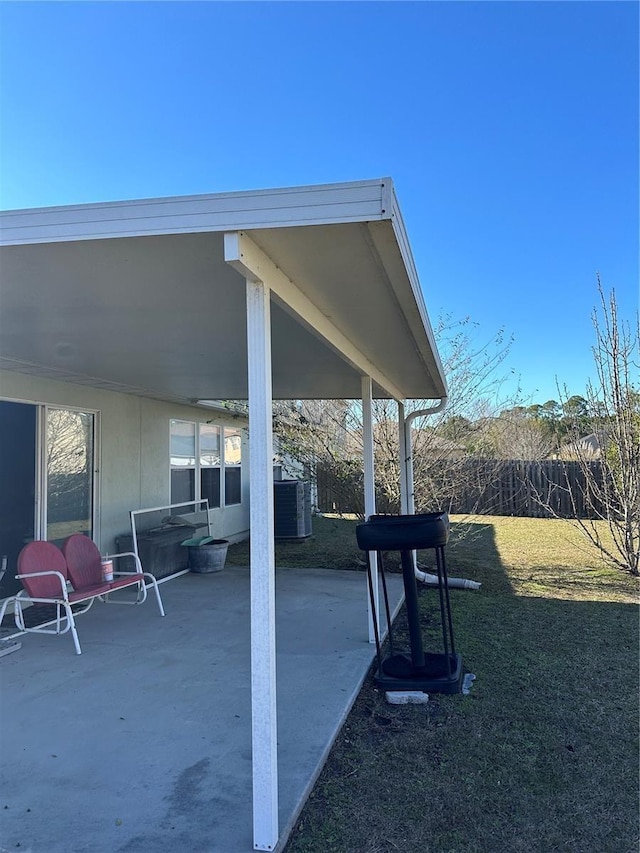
x: 65, y: 622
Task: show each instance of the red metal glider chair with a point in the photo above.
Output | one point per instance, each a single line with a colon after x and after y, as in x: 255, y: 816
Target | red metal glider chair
x: 85, y: 568
x: 45, y: 570
x: 42, y: 569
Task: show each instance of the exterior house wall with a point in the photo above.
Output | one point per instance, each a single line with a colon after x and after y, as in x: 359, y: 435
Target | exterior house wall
x: 132, y: 451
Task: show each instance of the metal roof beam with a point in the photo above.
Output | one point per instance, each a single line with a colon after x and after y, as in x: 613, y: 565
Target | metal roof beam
x: 245, y: 256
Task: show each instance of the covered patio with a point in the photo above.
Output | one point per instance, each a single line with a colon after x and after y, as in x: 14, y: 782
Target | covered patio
x: 297, y: 293
x: 143, y: 743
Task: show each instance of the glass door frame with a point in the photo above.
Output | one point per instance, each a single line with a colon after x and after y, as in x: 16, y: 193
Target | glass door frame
x: 41, y: 509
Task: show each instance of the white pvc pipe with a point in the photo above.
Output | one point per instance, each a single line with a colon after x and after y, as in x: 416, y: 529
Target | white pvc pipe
x: 425, y: 577
x: 408, y: 421
x: 452, y: 583
x: 402, y: 446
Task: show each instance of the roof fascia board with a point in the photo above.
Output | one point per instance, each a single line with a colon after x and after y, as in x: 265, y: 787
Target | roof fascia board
x: 356, y: 201
x: 404, y: 247
x: 242, y: 253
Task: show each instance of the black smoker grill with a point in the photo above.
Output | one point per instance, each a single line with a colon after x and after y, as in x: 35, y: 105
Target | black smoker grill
x: 433, y: 672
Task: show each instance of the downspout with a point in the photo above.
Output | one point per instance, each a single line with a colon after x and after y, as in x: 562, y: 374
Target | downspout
x: 426, y: 577
x: 408, y: 421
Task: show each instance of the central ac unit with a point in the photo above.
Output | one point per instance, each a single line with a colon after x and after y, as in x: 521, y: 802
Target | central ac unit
x: 292, y: 509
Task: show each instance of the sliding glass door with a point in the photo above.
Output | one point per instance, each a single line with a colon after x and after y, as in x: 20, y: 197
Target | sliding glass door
x: 47, y: 465
x: 18, y: 429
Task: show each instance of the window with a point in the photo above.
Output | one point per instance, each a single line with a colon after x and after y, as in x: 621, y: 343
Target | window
x: 183, y: 461
x: 69, y: 473
x: 198, y: 454
x: 210, y: 463
x: 232, y: 466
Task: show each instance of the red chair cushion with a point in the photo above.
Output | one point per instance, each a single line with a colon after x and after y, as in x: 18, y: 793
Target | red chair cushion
x: 90, y: 592
x: 42, y: 556
x: 83, y: 561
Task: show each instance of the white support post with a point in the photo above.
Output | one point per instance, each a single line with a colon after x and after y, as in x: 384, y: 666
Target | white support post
x: 402, y: 445
x: 370, y: 491
x: 263, y: 639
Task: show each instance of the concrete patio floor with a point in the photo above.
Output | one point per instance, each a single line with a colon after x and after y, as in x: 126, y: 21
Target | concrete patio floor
x: 142, y: 744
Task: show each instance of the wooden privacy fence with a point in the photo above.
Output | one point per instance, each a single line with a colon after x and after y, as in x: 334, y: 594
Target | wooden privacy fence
x: 488, y: 487
x: 542, y: 489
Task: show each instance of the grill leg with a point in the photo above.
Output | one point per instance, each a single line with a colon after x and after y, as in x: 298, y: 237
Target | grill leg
x: 440, y: 557
x: 413, y: 614
x: 374, y: 615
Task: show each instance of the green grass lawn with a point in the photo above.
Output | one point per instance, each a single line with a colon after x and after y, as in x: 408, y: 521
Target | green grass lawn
x: 331, y: 546
x: 541, y: 756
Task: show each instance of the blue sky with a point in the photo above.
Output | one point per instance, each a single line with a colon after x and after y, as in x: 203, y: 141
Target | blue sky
x: 510, y: 130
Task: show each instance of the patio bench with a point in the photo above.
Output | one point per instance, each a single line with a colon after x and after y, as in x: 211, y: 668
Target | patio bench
x: 47, y: 573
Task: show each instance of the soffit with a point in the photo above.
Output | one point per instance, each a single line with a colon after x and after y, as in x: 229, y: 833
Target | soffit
x: 163, y: 314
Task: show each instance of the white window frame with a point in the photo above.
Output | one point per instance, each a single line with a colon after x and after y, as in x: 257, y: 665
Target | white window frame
x: 197, y: 468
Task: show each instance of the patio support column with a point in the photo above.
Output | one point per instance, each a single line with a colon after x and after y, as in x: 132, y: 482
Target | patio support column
x: 402, y: 453
x: 259, y: 279
x: 263, y: 643
x: 370, y: 491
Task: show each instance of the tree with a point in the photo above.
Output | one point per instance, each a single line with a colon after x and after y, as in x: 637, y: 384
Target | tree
x: 551, y: 410
x: 331, y: 439
x: 575, y: 407
x: 520, y: 433
x: 611, y: 411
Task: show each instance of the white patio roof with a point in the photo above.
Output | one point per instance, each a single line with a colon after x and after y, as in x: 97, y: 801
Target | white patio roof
x: 291, y: 293
x: 137, y: 296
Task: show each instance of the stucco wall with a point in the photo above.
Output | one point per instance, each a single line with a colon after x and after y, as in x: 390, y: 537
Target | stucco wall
x: 133, y: 450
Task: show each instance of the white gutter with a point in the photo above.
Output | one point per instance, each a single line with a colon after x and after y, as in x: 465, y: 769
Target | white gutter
x: 425, y: 577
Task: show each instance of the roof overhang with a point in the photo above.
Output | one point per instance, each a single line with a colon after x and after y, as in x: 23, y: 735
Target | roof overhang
x: 139, y: 296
